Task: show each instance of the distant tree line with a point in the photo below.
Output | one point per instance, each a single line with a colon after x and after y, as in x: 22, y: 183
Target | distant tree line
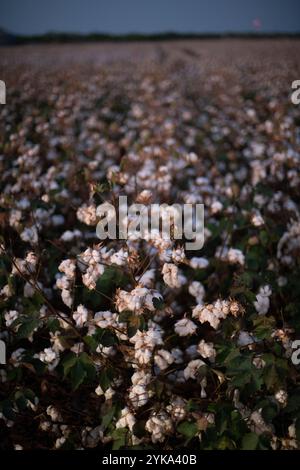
x: 57, y: 37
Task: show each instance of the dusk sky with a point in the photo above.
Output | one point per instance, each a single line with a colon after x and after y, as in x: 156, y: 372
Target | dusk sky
x: 145, y: 16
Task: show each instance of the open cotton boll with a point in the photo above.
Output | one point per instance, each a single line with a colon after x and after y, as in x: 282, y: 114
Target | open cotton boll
x: 192, y: 368
x: 185, y: 327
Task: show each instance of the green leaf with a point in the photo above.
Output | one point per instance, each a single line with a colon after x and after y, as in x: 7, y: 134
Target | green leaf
x: 28, y: 325
x: 69, y: 362
x: 264, y: 326
x: 105, y: 337
x: 250, y: 441
x: 188, y: 428
x: 79, y: 368
x: 105, y: 378
x: 77, y: 375
x: 108, y: 417
x: 158, y: 303
x: 119, y: 438
x: 275, y: 372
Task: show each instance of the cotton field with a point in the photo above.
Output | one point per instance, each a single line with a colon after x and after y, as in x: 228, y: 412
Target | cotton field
x: 139, y: 342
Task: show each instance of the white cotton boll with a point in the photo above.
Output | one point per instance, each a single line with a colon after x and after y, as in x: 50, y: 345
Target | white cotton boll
x: 10, y: 317
x: 109, y: 393
x: 230, y: 255
x: 68, y: 267
x: 66, y: 298
x: 104, y: 319
x: 138, y: 395
x: 159, y: 425
x: 185, y: 327
x: 170, y: 275
x: 262, y: 302
x: 266, y: 291
x: 165, y: 255
x: 54, y: 413
x: 23, y: 204
x: 60, y: 441
x: 216, y: 207
x: 178, y: 255
x: 143, y: 356
x: 18, y: 447
x: 207, y: 350
x: 30, y: 235
x: 191, y: 351
x: 50, y: 357
x: 120, y: 258
x: 177, y: 409
x: 92, y: 275
x: 292, y: 431
x: 140, y: 377
x: 282, y: 397
x: 149, y: 298
x: 127, y: 419
x: 62, y: 282
x: 196, y: 289
x: 137, y: 300
x: 15, y: 218
x: 107, y: 351
x: 31, y: 262
x: 245, y: 339
x: 257, y: 220
x: 99, y: 391
x: 182, y: 280
x: 57, y: 219
x: 163, y: 359
x: 236, y: 256
x: 147, y: 339
x: 258, y: 424
x: 80, y: 316
x: 67, y: 236
x: 6, y: 291
x: 211, y: 313
x: 177, y: 355
x: 190, y: 372
x: 17, y: 356
x: 87, y: 214
x: 199, y: 263
x: 147, y: 279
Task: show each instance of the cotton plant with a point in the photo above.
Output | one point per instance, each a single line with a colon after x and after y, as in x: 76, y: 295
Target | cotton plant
x: 159, y: 345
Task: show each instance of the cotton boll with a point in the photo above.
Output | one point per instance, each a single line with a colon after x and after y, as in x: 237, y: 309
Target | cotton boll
x: 185, y: 327
x: 163, y: 359
x: 207, y: 350
x: 192, y: 368
x: 198, y: 263
x: 170, y: 275
x: 262, y: 302
x: 127, y: 419
x: 80, y: 316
